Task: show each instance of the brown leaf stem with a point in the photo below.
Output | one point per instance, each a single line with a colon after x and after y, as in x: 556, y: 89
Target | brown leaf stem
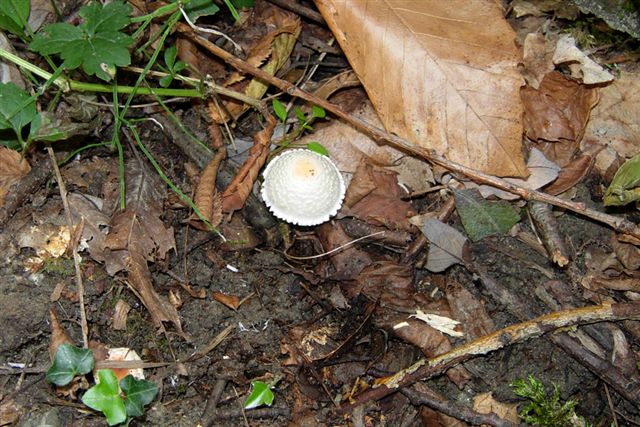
x: 381, y: 136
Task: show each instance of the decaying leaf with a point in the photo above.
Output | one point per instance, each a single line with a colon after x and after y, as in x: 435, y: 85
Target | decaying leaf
x: 120, y: 314
x: 231, y: 301
x: 537, y: 58
x: 447, y: 246
x: 12, y: 168
x: 374, y: 196
x: 348, y: 146
x: 273, y: 47
x: 238, y: 190
x: 582, y: 67
x: 558, y: 110
x: 444, y: 324
x: 207, y: 198
x: 614, y: 121
x: 560, y: 8
x: 451, y: 82
x: 347, y: 263
x: 485, y: 403
x: 482, y: 218
x: 574, y: 172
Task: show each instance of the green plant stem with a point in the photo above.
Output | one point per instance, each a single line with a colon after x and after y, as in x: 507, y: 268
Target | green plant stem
x: 68, y: 84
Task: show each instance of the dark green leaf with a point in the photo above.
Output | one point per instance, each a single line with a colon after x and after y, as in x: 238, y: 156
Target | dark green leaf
x: 138, y: 394
x: 240, y: 4
x: 105, y: 397
x: 69, y: 362
x: 260, y: 395
x: 482, y: 218
x: 17, y: 107
x: 179, y: 66
x: 318, y: 148
x: 14, y: 15
x: 318, y: 112
x: 280, y: 110
x: 166, y: 80
x: 97, y: 44
x: 625, y: 186
x: 198, y: 8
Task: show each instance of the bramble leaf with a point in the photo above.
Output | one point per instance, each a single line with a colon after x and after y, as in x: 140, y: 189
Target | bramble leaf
x: 17, y: 108
x: 14, y: 15
x: 97, y: 44
x: 69, y: 362
x: 138, y: 394
x: 105, y: 397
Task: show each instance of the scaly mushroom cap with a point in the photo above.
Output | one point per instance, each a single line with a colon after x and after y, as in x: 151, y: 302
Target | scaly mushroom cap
x: 303, y: 187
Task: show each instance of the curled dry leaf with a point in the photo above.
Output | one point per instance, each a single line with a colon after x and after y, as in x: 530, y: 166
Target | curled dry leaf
x: 120, y: 315
x: 558, y: 110
x: 230, y: 301
x: 274, y: 47
x: 240, y: 187
x: 12, y: 168
x: 614, y: 121
x: 573, y: 173
x: 375, y: 197
x: 582, y: 67
x: 452, y: 81
x: 59, y: 335
x: 207, y: 198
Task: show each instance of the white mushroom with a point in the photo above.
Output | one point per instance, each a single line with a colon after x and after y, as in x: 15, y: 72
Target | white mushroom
x: 303, y: 187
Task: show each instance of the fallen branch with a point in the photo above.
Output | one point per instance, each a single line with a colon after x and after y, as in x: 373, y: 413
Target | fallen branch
x: 428, y: 368
x: 381, y: 136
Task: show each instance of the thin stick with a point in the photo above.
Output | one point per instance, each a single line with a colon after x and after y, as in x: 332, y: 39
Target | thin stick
x: 74, y: 249
x: 381, y: 136
x: 519, y: 332
x: 346, y: 245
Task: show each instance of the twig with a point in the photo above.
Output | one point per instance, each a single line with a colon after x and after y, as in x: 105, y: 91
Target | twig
x: 427, y: 368
x: 296, y: 7
x: 546, y: 223
x: 620, y: 224
x: 429, y: 398
x: 74, y: 250
x: 212, y: 402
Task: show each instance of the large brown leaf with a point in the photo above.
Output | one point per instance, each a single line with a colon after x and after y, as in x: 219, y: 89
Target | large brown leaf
x: 441, y: 74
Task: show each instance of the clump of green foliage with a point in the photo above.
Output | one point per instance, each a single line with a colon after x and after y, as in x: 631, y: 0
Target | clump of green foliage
x: 543, y: 409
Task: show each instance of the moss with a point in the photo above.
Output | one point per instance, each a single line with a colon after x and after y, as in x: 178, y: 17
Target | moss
x: 59, y: 266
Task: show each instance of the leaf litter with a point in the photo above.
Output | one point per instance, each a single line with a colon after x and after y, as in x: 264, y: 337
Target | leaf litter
x: 323, y: 308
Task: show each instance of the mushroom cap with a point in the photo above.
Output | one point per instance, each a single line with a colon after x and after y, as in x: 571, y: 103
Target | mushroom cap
x: 303, y: 187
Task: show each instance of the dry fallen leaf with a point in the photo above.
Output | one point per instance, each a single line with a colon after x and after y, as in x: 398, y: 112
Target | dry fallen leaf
x: 614, y: 121
x: 450, y: 81
x: 231, y: 301
x: 582, y: 67
x: 12, y: 168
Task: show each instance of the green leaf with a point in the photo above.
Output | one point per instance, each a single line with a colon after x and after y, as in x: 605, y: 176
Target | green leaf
x: 318, y: 148
x: 138, y: 394
x: 260, y: 395
x: 17, y: 107
x: 166, y: 81
x: 280, y: 110
x: 243, y: 4
x: 302, y: 118
x: 97, y: 44
x: 69, y: 362
x: 14, y: 15
x: 198, y: 8
x: 625, y: 186
x: 105, y: 397
x: 170, y: 54
x: 318, y: 112
x: 482, y: 218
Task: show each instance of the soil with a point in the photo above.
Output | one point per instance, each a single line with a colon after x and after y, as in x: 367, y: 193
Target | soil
x: 300, y: 321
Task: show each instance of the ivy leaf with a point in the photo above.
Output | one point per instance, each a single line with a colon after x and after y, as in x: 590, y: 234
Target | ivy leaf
x: 17, y: 108
x: 138, y: 394
x: 482, y: 218
x: 318, y: 148
x: 69, y: 362
x: 97, y: 44
x: 105, y: 397
x: 14, y: 15
x: 260, y: 395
